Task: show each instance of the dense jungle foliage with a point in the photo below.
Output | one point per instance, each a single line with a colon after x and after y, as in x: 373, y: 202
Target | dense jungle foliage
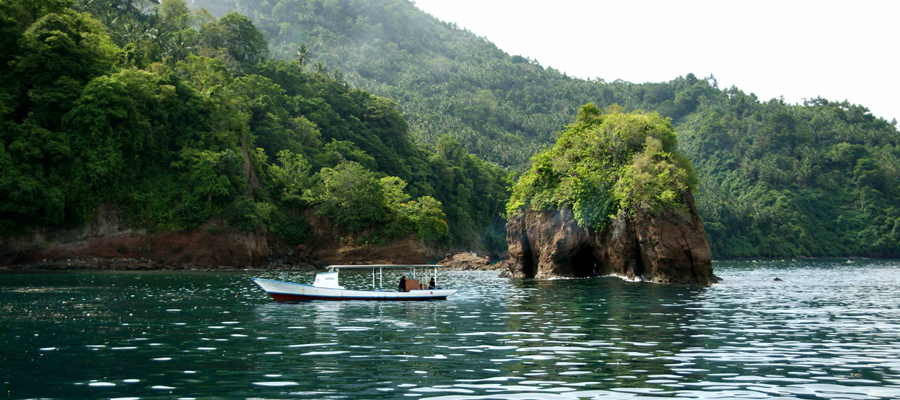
x: 178, y: 117
x: 816, y: 179
x: 605, y: 165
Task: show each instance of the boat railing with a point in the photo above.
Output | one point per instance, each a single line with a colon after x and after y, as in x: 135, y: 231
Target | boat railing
x: 381, y: 267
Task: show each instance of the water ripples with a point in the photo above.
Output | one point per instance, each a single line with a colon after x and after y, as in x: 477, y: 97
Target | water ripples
x: 828, y: 330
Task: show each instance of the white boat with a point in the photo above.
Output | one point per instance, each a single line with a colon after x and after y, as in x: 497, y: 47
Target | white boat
x: 326, y: 287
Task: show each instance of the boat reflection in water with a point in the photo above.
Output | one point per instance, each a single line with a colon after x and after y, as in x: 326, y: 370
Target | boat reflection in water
x: 326, y: 287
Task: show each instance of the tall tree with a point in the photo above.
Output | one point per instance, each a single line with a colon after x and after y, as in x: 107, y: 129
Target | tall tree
x: 243, y: 40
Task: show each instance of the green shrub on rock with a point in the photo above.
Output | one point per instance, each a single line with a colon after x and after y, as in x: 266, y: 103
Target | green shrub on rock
x: 605, y: 163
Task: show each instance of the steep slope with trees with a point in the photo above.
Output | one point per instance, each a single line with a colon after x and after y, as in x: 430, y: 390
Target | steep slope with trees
x: 817, y: 179
x: 177, y: 117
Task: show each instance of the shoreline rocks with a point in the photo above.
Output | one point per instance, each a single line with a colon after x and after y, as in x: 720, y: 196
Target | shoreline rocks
x: 468, y: 261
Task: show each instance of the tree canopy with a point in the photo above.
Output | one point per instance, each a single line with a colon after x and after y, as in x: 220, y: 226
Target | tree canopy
x: 177, y: 118
x: 775, y: 179
x: 605, y: 164
x: 180, y: 115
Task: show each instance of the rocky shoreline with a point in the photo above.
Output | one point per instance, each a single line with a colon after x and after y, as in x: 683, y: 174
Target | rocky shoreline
x: 665, y: 248
x: 107, y: 242
x: 296, y: 261
x: 101, y: 264
x: 300, y: 259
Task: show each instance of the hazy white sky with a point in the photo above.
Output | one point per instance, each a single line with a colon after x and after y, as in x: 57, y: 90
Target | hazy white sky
x: 844, y: 50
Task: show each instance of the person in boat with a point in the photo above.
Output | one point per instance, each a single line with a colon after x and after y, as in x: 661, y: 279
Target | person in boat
x: 431, y: 283
x: 402, y: 286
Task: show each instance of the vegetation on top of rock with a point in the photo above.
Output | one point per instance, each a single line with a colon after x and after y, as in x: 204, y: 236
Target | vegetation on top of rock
x: 607, y: 163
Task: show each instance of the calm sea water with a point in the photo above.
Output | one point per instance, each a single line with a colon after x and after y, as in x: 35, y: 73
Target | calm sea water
x: 831, y: 329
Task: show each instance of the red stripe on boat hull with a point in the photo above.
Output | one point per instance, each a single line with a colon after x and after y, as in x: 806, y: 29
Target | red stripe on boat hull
x: 300, y: 297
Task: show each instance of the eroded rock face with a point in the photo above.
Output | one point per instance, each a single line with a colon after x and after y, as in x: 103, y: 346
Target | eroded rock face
x: 106, y: 242
x: 399, y: 251
x: 329, y: 245
x: 668, y: 247
x: 106, y: 238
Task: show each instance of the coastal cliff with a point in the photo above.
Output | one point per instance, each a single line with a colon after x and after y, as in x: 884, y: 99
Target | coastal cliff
x: 612, y: 197
x: 109, y: 244
x: 106, y: 242
x: 669, y: 247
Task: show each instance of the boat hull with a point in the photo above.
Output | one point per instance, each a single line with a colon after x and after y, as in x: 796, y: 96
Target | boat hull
x: 289, y: 291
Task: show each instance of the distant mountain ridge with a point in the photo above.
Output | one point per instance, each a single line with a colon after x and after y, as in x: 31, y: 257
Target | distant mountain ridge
x: 818, y: 179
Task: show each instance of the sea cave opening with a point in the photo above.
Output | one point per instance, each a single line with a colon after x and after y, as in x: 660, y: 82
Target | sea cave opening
x: 583, y: 262
x: 638, y: 260
x: 527, y: 258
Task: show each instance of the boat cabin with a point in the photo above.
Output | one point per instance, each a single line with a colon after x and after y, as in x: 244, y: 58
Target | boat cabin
x: 327, y: 280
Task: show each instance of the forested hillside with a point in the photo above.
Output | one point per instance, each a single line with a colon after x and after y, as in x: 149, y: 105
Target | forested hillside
x: 818, y: 179
x: 177, y: 117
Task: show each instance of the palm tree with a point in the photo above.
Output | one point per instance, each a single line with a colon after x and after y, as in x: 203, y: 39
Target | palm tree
x: 303, y: 55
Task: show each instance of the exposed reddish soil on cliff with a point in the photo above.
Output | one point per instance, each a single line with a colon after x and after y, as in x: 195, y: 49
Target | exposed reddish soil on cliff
x: 331, y: 245
x: 105, y: 238
x: 106, y: 243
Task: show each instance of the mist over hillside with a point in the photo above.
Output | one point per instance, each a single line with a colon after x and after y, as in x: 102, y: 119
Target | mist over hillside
x: 179, y: 117
x: 817, y: 179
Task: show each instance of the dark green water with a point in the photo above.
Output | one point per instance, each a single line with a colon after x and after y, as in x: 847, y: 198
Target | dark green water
x: 830, y: 330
